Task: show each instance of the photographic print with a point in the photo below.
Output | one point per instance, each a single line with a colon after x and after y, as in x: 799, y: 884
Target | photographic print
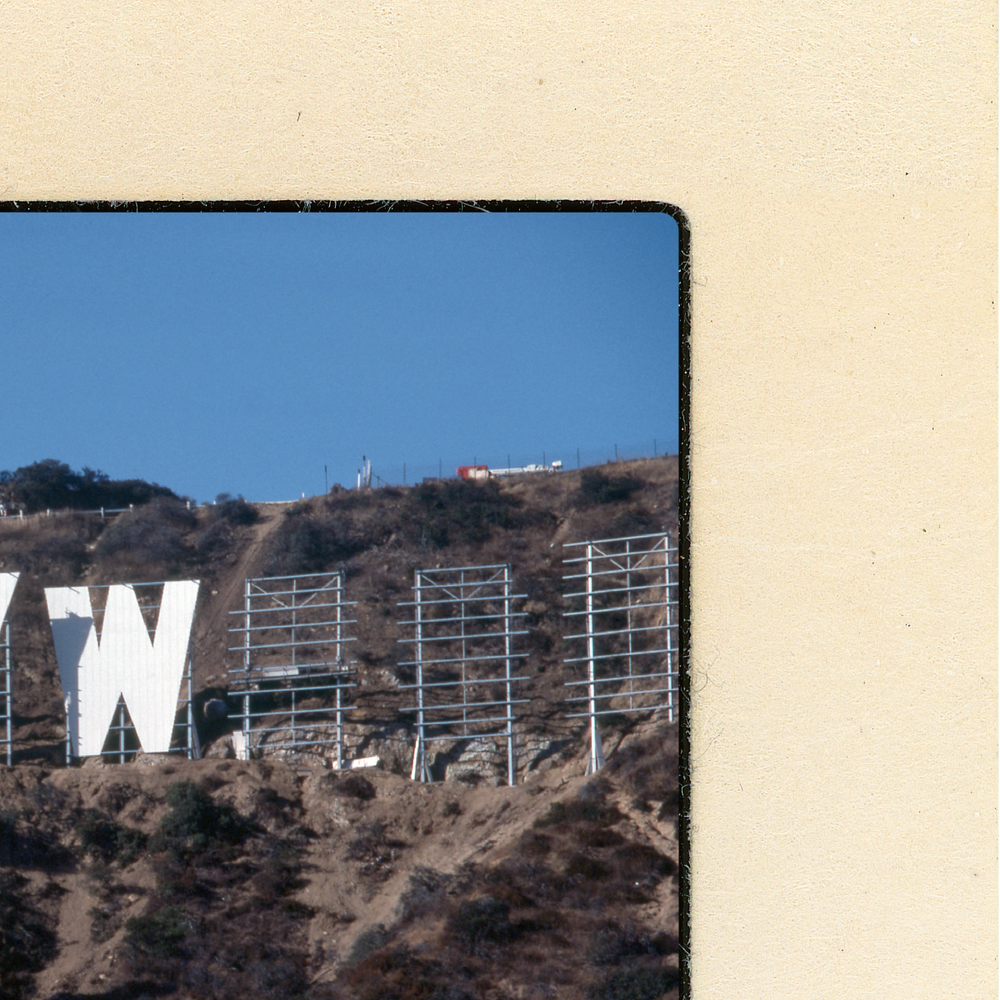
x: 342, y: 569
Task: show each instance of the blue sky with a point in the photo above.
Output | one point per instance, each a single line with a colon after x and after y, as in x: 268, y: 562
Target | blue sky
x: 242, y: 353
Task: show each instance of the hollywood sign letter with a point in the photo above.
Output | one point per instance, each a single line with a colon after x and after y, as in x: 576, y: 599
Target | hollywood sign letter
x: 124, y: 663
x: 8, y: 581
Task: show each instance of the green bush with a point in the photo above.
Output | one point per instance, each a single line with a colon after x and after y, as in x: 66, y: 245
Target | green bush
x: 103, y: 839
x: 160, y: 934
x: 51, y: 484
x: 196, y: 824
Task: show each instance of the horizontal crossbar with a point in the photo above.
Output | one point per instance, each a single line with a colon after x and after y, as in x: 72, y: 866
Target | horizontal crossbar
x: 488, y: 680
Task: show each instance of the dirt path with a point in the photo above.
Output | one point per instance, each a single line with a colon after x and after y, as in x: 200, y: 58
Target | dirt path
x: 213, y: 621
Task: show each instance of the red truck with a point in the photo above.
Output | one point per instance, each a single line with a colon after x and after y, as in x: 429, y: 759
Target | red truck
x: 473, y: 472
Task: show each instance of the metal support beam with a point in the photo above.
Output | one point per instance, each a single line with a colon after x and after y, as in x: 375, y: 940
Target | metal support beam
x: 465, y: 617
x: 630, y: 598
x: 289, y: 685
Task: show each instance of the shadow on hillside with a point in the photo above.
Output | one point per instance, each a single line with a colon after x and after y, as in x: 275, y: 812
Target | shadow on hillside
x: 129, y: 991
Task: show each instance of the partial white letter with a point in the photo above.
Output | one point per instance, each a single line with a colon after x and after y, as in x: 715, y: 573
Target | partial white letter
x: 8, y: 581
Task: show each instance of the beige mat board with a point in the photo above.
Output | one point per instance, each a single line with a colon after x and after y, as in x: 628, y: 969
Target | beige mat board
x: 837, y: 167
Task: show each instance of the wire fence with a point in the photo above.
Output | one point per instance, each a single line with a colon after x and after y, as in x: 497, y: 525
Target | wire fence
x: 18, y: 518
x: 409, y: 474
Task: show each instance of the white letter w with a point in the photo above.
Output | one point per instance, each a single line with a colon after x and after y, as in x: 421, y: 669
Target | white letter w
x: 125, y: 663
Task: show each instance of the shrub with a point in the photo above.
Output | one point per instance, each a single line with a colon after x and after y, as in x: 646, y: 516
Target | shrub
x: 368, y: 942
x: 635, y: 984
x: 374, y: 849
x: 280, y: 874
x: 460, y: 512
x: 356, y: 787
x: 483, y: 920
x: 196, y: 824
x: 234, y: 510
x: 641, y: 860
x: 586, y: 868
x: 100, y: 838
x: 104, y: 921
x: 423, y: 889
x: 53, y: 484
x: 275, y: 978
x: 592, y: 810
x: 27, y: 943
x: 24, y: 843
x: 161, y: 934
x: 151, y: 534
x: 613, y: 943
x: 306, y: 545
x: 61, y: 558
x: 216, y: 538
x: 596, y: 487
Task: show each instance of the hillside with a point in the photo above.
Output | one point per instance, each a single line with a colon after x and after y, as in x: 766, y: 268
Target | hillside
x: 302, y: 882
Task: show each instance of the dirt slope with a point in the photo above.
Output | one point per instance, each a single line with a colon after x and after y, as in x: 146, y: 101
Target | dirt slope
x: 361, y: 885
x: 375, y: 880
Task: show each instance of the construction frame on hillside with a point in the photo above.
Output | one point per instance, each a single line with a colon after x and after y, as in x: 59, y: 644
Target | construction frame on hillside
x: 294, y: 670
x: 463, y: 631
x: 8, y: 581
x: 628, y: 597
x: 143, y: 658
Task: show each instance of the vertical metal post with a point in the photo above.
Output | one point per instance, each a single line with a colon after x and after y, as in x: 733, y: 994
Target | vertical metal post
x: 669, y: 617
x: 190, y: 714
x: 340, y: 659
x: 507, y: 627
x: 295, y: 585
x: 246, y: 676
x: 419, y: 770
x: 8, y: 686
x: 628, y: 598
x: 121, y: 732
x: 596, y: 751
x: 194, y: 742
x: 465, y: 687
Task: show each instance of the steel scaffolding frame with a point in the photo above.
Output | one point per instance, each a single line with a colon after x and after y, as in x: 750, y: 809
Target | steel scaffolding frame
x: 463, y: 630
x: 294, y: 637
x: 631, y: 617
x: 122, y: 732
x: 7, y: 691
